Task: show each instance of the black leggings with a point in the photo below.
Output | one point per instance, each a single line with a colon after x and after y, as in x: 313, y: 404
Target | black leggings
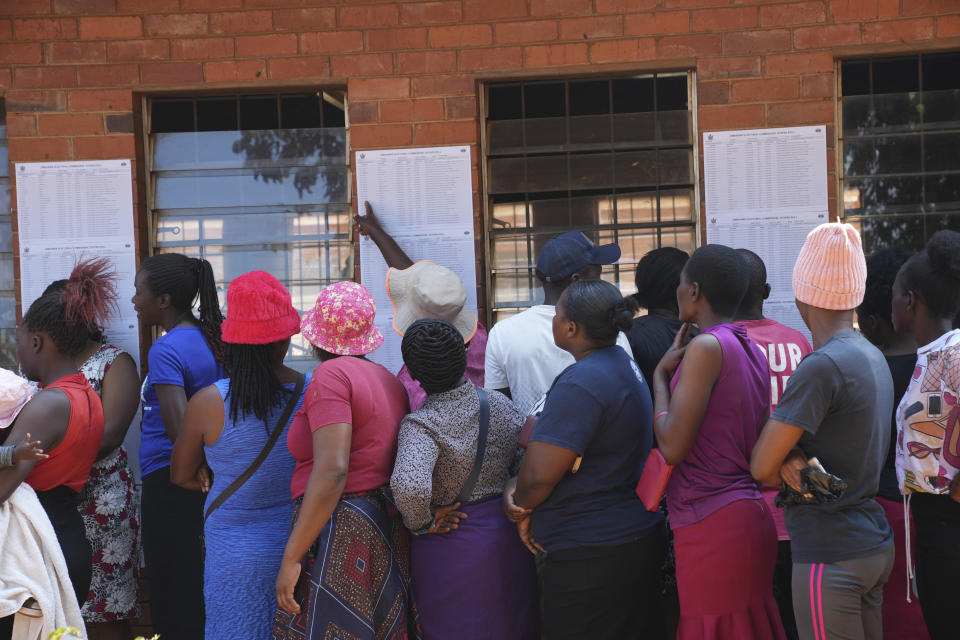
x: 937, y: 522
x: 604, y: 593
x: 172, y: 521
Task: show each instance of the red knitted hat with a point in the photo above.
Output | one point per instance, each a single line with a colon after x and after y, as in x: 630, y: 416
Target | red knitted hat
x: 259, y: 311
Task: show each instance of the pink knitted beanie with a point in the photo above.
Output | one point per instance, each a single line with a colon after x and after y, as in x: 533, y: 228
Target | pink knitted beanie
x: 831, y: 271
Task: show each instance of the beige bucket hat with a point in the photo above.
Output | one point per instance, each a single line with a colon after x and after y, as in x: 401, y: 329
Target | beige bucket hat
x: 428, y: 290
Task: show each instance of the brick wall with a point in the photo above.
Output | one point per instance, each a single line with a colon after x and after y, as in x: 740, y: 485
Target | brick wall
x: 69, y: 68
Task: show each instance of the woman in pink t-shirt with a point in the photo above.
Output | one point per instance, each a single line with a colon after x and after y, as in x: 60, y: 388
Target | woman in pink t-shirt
x: 348, y: 540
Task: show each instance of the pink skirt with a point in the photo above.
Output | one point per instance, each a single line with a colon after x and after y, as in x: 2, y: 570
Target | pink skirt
x: 725, y: 575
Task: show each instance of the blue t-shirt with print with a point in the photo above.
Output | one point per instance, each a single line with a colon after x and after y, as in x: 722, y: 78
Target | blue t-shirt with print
x: 180, y: 357
x: 601, y: 408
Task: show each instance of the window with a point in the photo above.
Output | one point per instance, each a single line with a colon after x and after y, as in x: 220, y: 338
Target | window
x: 8, y: 299
x: 900, y: 140
x: 612, y: 157
x: 255, y: 182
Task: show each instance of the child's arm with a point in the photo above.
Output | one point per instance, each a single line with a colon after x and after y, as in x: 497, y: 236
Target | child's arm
x: 26, y: 450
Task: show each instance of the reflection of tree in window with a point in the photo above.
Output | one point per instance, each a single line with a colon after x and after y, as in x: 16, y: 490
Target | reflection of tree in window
x: 266, y: 151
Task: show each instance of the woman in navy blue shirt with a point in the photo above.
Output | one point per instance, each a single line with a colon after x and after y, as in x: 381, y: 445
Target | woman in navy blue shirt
x: 181, y: 362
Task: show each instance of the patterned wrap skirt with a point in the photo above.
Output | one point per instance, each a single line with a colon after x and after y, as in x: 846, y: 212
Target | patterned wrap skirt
x: 110, y: 506
x: 355, y: 583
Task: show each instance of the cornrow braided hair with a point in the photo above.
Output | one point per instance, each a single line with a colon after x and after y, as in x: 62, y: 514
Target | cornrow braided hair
x: 187, y: 280
x: 254, y: 385
x: 435, y: 354
x: 70, y: 314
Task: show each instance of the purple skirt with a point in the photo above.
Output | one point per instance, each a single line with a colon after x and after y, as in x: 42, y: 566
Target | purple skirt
x: 476, y: 582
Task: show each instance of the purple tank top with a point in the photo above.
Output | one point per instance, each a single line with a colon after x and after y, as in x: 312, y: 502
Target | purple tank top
x: 716, y: 472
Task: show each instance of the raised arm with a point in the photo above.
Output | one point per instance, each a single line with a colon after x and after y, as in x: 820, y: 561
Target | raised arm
x: 393, y: 255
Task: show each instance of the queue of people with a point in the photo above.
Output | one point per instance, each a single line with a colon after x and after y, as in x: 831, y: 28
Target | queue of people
x: 490, y: 489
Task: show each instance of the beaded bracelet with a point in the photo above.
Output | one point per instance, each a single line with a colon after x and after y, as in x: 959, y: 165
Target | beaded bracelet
x: 6, y: 456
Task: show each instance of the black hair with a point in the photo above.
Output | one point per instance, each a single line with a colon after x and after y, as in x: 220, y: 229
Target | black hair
x: 94, y: 334
x: 934, y: 274
x: 187, y: 280
x: 71, y: 314
x: 254, y: 385
x: 757, y: 279
x: 882, y: 268
x: 721, y: 273
x: 435, y: 354
x: 599, y: 308
x: 657, y: 277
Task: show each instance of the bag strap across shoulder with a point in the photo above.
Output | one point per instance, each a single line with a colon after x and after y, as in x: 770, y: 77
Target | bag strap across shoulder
x: 481, y: 447
x: 267, y: 448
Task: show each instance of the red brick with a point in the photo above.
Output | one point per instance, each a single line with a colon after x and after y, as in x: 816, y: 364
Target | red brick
x: 70, y: 124
x: 493, y: 9
x: 45, y: 28
x: 366, y: 88
x: 623, y: 6
x: 36, y: 149
x: 550, y: 55
x: 392, y: 39
x: 660, y: 23
x: 591, y: 28
x: 731, y: 116
x: 104, y: 147
x: 706, y: 44
x: 171, y: 72
x: 445, y: 133
x: 787, y: 64
x: 274, y: 3
x: 362, y: 64
x: 178, y: 24
x: 742, y: 67
x: 35, y: 7
x: 562, y: 8
x: 854, y: 10
x: 786, y: 15
x: 241, y: 22
x: 369, y: 136
x: 627, y: 50
x: 829, y: 35
x: 203, y: 48
x: 21, y: 53
x: 305, y: 19
x: 113, y: 27
x: 430, y: 13
x: 202, y: 5
x: 108, y: 75
x: 73, y: 52
x: 139, y: 50
x: 362, y: 112
x: 101, y: 100
x: 898, y: 30
x: 756, y: 41
x: 444, y: 85
x: 305, y: 67
x: 948, y: 26
x: 35, y: 101
x: 473, y: 35
x: 20, y: 125
x: 274, y: 44
x: 384, y: 15
x: 793, y: 113
x: 234, y: 70
x: 6, y: 78
x: 730, y: 19
x: 426, y: 62
x: 331, y: 42
x: 44, y: 77
x: 6, y: 30
x: 694, y: 4
x: 929, y: 7
x: 462, y: 107
x: 713, y: 93
x: 84, y: 6
x: 529, y: 31
x: 765, y: 89
x: 143, y: 6
x: 498, y: 58
x: 820, y: 86
x: 422, y: 110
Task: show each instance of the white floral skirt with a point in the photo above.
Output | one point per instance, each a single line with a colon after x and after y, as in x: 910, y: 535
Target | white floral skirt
x: 110, y: 507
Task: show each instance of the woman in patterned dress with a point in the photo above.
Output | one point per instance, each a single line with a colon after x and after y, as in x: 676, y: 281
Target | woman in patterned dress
x: 109, y: 502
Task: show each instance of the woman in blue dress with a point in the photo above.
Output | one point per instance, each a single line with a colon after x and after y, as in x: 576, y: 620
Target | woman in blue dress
x: 233, y: 424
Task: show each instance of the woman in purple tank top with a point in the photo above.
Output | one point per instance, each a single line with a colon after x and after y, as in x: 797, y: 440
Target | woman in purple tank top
x: 711, y: 398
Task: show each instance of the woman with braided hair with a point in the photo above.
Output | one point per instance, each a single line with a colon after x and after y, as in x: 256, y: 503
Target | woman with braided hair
x: 66, y: 417
x: 477, y: 581
x: 181, y: 362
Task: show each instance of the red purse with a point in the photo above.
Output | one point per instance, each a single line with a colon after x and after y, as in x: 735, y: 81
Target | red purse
x: 653, y: 481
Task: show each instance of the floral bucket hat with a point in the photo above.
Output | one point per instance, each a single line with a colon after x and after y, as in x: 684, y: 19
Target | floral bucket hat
x: 341, y: 321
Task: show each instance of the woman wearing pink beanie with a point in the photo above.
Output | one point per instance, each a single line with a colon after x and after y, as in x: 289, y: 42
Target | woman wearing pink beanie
x: 835, y: 408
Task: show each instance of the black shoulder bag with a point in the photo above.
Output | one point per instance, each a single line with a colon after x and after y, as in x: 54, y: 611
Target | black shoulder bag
x: 481, y: 448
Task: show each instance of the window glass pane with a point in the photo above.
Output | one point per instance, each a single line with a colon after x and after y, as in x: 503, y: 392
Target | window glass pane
x: 301, y: 112
x: 855, y: 77
x: 259, y: 112
x: 941, y: 109
x: 505, y: 102
x: 633, y: 95
x: 216, y: 114
x: 890, y: 231
x: 589, y: 97
x: 890, y: 195
x: 251, y: 187
x: 940, y: 71
x: 171, y: 115
x: 544, y: 100
x: 4, y: 154
x: 671, y: 92
x: 239, y: 149
x: 886, y: 154
x: 942, y: 191
x: 941, y: 151
x: 896, y: 75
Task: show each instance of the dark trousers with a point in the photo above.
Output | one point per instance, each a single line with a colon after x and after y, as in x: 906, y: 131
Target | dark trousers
x: 604, y: 592
x: 172, y: 521
x: 783, y: 590
x: 937, y: 522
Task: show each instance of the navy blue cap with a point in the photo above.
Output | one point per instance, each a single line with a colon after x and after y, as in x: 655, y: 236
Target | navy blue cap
x: 570, y: 252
